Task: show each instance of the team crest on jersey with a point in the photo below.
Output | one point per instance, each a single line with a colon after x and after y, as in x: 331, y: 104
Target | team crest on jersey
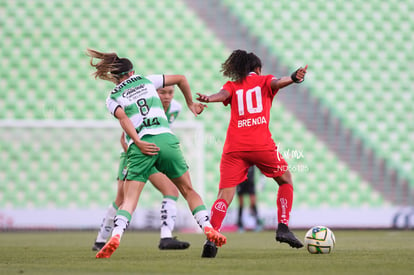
x: 171, y: 118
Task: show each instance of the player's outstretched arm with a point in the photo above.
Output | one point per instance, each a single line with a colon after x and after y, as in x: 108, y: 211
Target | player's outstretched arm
x: 182, y: 83
x: 217, y: 97
x: 297, y: 76
x: 184, y: 86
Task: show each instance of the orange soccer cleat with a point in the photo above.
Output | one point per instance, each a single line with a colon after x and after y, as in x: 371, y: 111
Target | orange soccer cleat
x: 109, y: 247
x: 214, y: 236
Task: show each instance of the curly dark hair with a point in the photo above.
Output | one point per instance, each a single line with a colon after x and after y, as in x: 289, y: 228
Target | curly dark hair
x: 239, y: 64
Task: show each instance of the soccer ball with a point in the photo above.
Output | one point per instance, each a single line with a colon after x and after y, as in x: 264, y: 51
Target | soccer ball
x: 320, y: 240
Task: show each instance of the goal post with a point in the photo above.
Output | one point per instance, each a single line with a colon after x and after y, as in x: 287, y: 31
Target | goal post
x: 66, y: 170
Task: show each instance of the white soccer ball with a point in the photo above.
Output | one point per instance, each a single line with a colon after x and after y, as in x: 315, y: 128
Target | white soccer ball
x: 320, y: 240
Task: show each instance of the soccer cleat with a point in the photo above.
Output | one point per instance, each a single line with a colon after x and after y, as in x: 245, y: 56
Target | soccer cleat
x: 214, y: 236
x: 172, y: 243
x: 109, y: 247
x: 98, y: 246
x: 209, y: 250
x: 284, y: 235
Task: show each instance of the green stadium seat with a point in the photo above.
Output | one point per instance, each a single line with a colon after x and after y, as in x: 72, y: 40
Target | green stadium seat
x: 58, y: 54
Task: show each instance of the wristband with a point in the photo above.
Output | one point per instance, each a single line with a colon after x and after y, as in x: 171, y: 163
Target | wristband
x: 294, y: 78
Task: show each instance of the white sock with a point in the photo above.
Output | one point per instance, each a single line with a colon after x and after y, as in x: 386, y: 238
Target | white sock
x: 107, y: 224
x: 121, y: 223
x: 200, y: 214
x: 168, y: 214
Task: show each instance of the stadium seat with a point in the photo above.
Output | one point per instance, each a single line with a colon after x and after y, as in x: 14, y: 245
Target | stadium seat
x: 58, y: 85
x: 382, y: 31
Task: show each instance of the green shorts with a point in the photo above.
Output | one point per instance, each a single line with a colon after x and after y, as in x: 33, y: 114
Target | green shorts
x: 122, y: 171
x: 169, y: 160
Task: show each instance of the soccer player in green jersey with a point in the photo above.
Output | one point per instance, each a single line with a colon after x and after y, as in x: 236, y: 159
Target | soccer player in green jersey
x: 168, y: 211
x: 152, y: 146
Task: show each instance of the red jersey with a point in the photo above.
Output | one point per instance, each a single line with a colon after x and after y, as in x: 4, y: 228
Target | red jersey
x: 250, y: 103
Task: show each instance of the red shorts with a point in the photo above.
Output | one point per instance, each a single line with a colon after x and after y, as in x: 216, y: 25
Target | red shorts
x: 234, y: 166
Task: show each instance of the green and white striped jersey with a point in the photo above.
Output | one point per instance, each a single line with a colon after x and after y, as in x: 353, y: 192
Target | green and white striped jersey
x: 138, y: 97
x: 173, y: 110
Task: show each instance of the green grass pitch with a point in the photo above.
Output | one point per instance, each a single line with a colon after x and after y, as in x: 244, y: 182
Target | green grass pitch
x: 356, y: 252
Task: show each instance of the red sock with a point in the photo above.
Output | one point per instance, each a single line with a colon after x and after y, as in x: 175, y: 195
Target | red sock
x: 284, y: 203
x: 218, y: 213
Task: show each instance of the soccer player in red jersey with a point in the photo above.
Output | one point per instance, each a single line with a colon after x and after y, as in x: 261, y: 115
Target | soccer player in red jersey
x: 249, y: 141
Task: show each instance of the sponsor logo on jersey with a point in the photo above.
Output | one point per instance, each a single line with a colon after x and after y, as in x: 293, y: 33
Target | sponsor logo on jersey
x: 134, y: 92
x: 126, y: 82
x: 148, y: 122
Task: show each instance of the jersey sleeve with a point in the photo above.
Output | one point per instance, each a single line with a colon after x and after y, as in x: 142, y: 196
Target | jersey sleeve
x: 112, y: 105
x: 269, y: 79
x: 229, y: 88
x: 157, y: 80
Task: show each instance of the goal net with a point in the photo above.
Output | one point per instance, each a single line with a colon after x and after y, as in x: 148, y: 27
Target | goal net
x: 62, y: 174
